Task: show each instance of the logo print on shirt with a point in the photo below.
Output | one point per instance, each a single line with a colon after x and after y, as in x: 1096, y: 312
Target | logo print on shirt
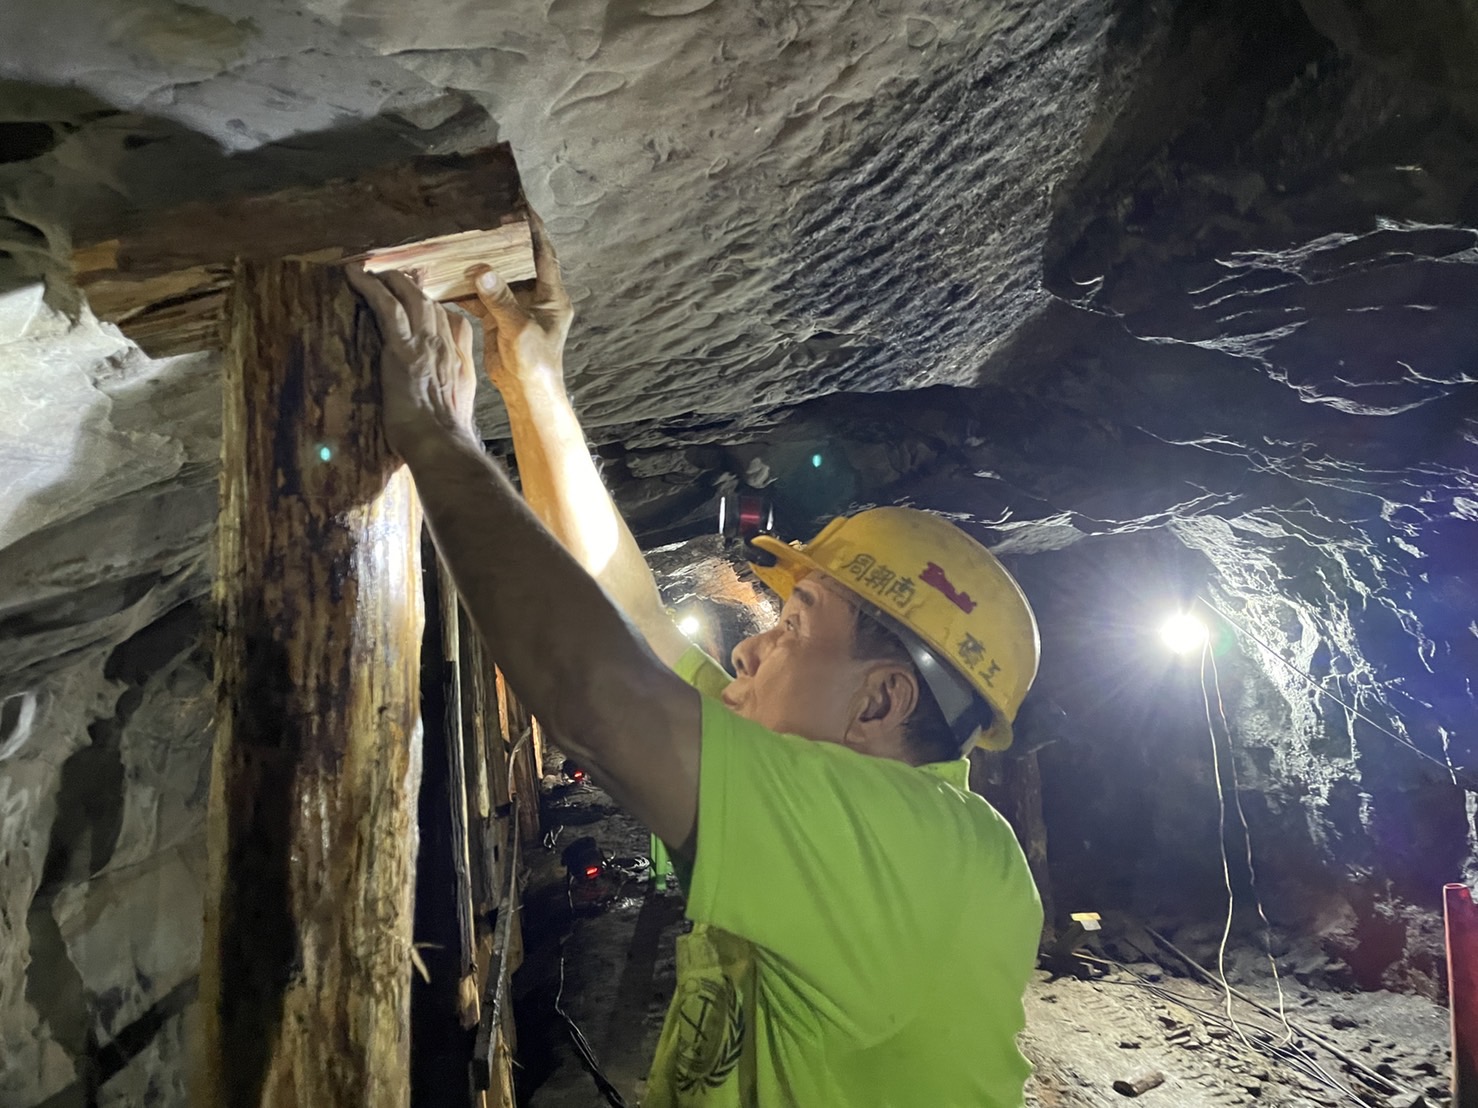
x: 711, y: 1034
x: 934, y: 575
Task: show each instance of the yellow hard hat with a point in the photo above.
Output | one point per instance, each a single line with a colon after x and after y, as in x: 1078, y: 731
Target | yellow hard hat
x: 926, y: 575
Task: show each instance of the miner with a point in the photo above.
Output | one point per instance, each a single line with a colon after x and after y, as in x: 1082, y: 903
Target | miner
x: 863, y: 925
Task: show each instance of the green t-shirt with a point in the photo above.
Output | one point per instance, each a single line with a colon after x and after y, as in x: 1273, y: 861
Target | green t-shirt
x: 863, y: 931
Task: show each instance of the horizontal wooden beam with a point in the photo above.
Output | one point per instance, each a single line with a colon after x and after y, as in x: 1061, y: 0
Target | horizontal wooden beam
x: 162, y: 278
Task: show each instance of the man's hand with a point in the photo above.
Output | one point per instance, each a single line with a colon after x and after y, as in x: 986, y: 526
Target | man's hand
x: 427, y: 377
x: 524, y: 333
x: 524, y: 338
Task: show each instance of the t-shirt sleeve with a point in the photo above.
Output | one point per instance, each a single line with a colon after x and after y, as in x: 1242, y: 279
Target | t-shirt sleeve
x: 710, y: 679
x: 828, y: 861
x: 702, y: 672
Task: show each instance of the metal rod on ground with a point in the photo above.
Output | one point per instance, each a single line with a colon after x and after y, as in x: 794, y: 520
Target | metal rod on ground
x: 1354, y: 1063
x: 1143, y: 1083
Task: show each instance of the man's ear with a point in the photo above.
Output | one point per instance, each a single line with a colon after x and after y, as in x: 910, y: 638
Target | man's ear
x: 888, y: 697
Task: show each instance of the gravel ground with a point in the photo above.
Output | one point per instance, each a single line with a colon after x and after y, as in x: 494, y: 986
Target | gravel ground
x: 1083, y: 1036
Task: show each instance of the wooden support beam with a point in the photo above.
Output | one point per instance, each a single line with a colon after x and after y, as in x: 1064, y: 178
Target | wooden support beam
x: 479, y: 729
x: 492, y: 1055
x: 1012, y: 782
x: 163, y: 278
x: 522, y: 733
x: 305, y: 977
x: 457, y: 793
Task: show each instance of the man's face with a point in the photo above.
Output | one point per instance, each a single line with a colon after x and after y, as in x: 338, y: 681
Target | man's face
x: 799, y: 677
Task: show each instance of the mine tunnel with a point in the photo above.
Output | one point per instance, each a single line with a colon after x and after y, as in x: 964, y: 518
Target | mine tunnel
x: 1132, y: 341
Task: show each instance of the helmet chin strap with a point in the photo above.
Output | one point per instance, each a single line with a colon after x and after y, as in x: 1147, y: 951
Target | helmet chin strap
x: 964, y: 710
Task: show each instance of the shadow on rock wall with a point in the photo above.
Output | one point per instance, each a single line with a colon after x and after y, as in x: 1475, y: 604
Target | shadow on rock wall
x: 111, y: 936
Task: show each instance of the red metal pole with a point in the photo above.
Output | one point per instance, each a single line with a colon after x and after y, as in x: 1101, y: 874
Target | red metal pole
x: 1462, y: 988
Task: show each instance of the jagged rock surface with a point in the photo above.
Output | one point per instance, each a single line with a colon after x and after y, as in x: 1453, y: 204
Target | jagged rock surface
x: 1159, y: 298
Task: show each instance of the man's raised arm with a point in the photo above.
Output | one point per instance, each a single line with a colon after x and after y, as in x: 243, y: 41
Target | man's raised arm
x: 569, y: 653
x: 524, y: 352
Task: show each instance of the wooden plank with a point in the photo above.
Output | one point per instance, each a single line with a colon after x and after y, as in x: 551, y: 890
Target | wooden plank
x: 163, y: 277
x: 305, y: 977
x: 1012, y: 782
x: 478, y: 720
x: 507, y: 732
x: 537, y: 751
x: 493, y: 1050
x: 456, y: 790
x: 523, y: 781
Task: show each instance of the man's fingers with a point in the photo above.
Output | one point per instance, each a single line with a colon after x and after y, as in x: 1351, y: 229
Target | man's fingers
x: 549, y: 286
x: 394, y: 325
x: 411, y: 298
x: 462, y: 338
x: 503, y: 308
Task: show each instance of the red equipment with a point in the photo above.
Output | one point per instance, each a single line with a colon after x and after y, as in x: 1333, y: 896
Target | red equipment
x: 1462, y: 988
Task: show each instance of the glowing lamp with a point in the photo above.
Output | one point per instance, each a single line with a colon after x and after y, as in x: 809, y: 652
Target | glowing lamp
x: 1184, y: 633
x: 815, y: 461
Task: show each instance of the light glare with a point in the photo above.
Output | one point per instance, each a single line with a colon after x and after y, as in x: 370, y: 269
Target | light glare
x: 689, y: 625
x: 1183, y: 633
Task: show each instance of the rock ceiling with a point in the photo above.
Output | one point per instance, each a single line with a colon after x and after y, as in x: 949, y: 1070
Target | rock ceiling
x: 1161, y: 296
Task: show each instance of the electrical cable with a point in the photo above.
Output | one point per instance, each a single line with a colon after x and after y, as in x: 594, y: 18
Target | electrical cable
x: 1221, y: 842
x: 1369, y: 1076
x: 1313, y: 683
x: 577, y: 1037
x: 1267, y: 926
x: 1287, y: 1052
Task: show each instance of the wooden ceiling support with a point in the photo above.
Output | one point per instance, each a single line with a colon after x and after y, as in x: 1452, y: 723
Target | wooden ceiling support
x: 306, y: 965
x: 163, y: 278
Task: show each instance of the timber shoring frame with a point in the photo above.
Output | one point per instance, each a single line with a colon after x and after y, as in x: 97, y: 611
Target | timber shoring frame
x: 312, y: 828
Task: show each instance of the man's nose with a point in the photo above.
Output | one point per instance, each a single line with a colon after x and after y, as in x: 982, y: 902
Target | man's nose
x: 746, y: 656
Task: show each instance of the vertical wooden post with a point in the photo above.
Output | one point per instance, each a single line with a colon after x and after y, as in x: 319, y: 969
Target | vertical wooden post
x: 479, y: 719
x: 305, y: 977
x: 1012, y: 782
x: 456, y: 799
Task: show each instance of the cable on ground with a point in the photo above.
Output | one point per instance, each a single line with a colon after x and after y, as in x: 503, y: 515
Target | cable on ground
x: 577, y: 1037
x: 1262, y: 1040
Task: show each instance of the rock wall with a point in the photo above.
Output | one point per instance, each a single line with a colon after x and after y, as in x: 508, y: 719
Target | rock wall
x: 105, y: 711
x: 105, y: 773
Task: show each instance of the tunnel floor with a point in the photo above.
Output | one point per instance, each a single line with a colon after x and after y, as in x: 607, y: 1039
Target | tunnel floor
x: 1082, y: 1036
